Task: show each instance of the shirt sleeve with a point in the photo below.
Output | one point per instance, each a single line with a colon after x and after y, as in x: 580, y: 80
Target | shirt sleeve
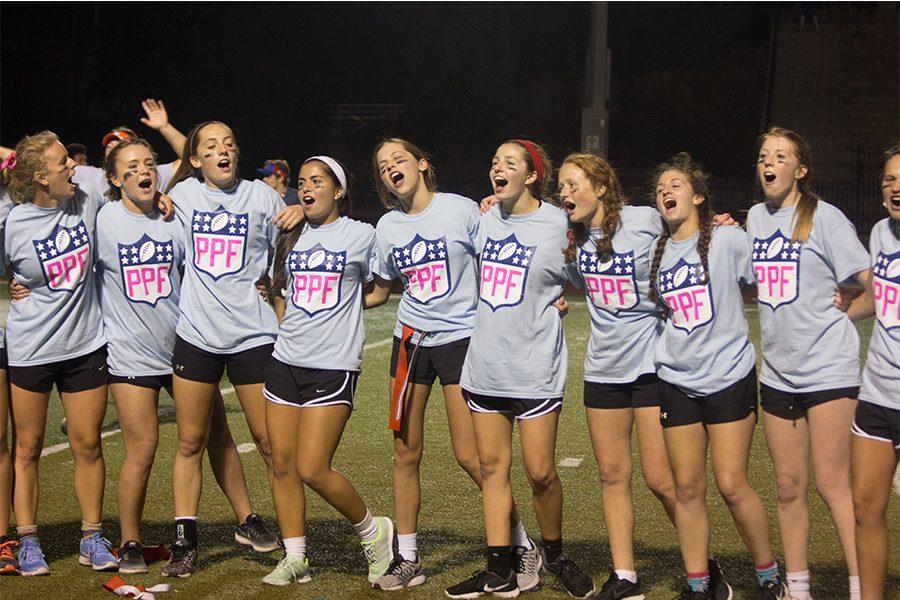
x: 846, y: 254
x: 368, y: 274
x: 573, y: 275
x: 473, y: 225
x: 740, y: 251
x: 382, y: 263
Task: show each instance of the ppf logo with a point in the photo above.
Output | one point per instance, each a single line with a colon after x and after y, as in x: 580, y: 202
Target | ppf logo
x: 504, y: 271
x: 219, y: 240
x: 316, y: 278
x: 686, y: 292
x: 886, y: 289
x: 423, y: 264
x: 611, y: 285
x: 145, y: 266
x: 776, y: 262
x: 65, y: 257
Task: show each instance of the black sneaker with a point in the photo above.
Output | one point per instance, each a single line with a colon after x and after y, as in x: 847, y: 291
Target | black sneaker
x: 131, y: 558
x: 183, y: 561
x: 620, y: 589
x: 485, y: 582
x: 718, y: 586
x: 772, y: 590
x: 689, y: 594
x: 255, y: 534
x: 570, y: 576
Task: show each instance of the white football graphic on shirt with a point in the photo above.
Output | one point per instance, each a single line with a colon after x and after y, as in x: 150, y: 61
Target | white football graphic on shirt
x: 148, y: 249
x: 604, y: 265
x: 680, y: 275
x: 62, y: 240
x: 219, y: 222
x: 506, y: 251
x: 316, y: 259
x: 418, y: 251
x: 774, y: 248
x: 893, y: 269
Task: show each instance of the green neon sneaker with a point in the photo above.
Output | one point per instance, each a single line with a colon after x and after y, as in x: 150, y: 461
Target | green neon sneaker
x: 291, y: 569
x: 380, y: 551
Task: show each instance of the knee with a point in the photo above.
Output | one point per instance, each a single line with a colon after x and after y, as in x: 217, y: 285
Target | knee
x: 313, y: 474
x: 690, y: 489
x: 283, y: 465
x: 86, y: 447
x: 492, y: 467
x: 141, y: 451
x: 614, y: 473
x: 407, y: 456
x: 867, y: 508
x: 263, y: 447
x: 833, y: 490
x: 733, y: 488
x: 469, y: 462
x: 662, y: 487
x: 191, y: 445
x: 790, y: 489
x: 28, y: 450
x: 542, y: 478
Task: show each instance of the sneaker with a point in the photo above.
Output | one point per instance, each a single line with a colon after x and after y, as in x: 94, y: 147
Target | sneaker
x: 8, y: 563
x: 485, y: 582
x: 291, y: 569
x: 718, y: 586
x: 96, y: 552
x: 527, y: 565
x: 689, y: 594
x: 620, y: 589
x: 771, y: 590
x: 380, y: 551
x: 401, y: 574
x: 183, y: 561
x: 254, y: 533
x: 31, y: 559
x: 131, y: 558
x: 571, y: 577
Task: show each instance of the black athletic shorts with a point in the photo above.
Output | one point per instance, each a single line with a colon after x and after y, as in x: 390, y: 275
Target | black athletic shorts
x: 643, y: 392
x: 196, y: 364
x: 521, y: 408
x: 301, y: 387
x: 733, y: 403
x: 444, y: 361
x: 79, y: 374
x: 4, y: 361
x: 153, y: 382
x: 877, y: 422
x: 793, y: 405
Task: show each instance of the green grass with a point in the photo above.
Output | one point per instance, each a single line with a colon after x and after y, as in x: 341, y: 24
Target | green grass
x: 451, y: 533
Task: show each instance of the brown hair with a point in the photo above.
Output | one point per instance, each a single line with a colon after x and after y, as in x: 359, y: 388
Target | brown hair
x: 806, y: 206
x: 388, y: 200
x: 283, y: 165
x: 544, y: 189
x: 109, y: 163
x: 186, y: 169
x: 698, y: 177
x: 601, y: 174
x: 29, y: 160
x: 286, y: 240
x: 888, y: 155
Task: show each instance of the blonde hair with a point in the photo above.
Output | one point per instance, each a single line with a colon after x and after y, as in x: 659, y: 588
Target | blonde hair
x: 806, y: 206
x: 29, y: 160
x: 186, y: 169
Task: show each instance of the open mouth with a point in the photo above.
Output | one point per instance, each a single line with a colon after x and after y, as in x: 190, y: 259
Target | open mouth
x: 569, y: 206
x: 145, y: 184
x: 308, y: 200
x: 500, y: 184
x: 224, y: 164
x: 397, y: 178
x: 769, y: 177
x: 895, y: 202
x: 669, y: 203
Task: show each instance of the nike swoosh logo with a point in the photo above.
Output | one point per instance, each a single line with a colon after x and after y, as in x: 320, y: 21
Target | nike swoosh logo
x: 320, y: 391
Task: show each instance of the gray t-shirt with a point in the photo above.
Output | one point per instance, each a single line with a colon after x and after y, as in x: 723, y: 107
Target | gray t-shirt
x: 705, y: 346
x: 518, y: 349
x: 881, y: 377
x: 228, y: 240
x: 326, y: 271
x: 93, y: 179
x: 50, y: 251
x: 434, y: 253
x: 5, y: 206
x: 625, y: 324
x: 139, y: 259
x: 807, y: 344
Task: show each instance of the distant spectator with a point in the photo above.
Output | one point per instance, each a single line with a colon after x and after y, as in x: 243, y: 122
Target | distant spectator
x: 78, y: 153
x: 276, y: 173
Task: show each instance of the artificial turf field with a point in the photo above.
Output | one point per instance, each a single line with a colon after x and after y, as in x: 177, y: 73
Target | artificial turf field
x: 450, y: 533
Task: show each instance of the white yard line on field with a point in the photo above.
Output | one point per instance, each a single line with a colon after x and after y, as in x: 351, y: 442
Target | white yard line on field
x: 228, y: 389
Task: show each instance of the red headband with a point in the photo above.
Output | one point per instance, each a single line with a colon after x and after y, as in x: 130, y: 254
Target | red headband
x: 114, y: 135
x: 535, y: 159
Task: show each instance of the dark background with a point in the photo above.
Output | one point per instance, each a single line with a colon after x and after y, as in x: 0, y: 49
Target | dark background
x: 458, y: 78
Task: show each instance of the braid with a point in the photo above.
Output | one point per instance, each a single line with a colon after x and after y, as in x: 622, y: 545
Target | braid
x: 706, y: 229
x: 653, y: 294
x: 577, y: 235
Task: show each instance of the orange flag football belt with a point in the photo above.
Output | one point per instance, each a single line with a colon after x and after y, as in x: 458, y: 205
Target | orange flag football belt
x: 400, y: 391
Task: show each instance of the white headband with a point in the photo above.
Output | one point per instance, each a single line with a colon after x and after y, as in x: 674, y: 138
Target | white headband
x: 335, y: 168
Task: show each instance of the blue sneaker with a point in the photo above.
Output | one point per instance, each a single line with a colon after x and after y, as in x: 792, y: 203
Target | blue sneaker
x: 31, y: 559
x: 95, y: 552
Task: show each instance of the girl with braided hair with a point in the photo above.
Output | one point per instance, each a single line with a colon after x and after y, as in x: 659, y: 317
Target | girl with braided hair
x: 705, y: 364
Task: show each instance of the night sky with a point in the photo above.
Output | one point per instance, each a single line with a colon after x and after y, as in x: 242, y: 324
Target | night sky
x: 467, y: 77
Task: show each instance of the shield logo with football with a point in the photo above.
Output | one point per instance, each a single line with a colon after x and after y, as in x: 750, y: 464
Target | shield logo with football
x: 686, y: 292
x: 424, y: 266
x: 316, y: 278
x: 886, y: 289
x: 776, y: 262
x: 65, y: 256
x: 610, y: 285
x: 219, y: 241
x: 504, y: 271
x: 145, y: 266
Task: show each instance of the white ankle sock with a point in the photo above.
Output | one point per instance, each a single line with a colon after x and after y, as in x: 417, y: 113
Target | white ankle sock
x: 408, y: 546
x: 627, y: 575
x: 855, y: 593
x: 520, y: 536
x: 798, y: 585
x: 367, y: 529
x: 295, y: 546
